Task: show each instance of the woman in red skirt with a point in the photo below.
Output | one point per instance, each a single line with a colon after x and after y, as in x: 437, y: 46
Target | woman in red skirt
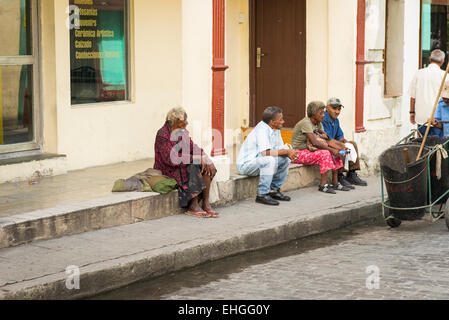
x: 305, y: 140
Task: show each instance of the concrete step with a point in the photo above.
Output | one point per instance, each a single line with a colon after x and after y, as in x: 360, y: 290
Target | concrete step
x: 115, y: 257
x: 127, y: 208
x: 26, y: 166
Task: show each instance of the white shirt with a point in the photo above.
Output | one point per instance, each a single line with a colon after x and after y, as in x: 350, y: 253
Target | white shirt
x: 261, y: 139
x: 424, y: 88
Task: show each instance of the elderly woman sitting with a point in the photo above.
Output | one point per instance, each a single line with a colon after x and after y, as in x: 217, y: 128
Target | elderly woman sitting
x: 314, y: 150
x: 179, y: 158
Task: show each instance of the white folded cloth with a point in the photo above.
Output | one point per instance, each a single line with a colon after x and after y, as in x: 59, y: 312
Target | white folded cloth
x: 351, y: 156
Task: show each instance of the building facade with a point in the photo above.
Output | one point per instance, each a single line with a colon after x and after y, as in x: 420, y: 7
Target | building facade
x: 94, y: 79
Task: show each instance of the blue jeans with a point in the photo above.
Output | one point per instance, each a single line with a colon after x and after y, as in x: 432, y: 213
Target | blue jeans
x: 272, y: 170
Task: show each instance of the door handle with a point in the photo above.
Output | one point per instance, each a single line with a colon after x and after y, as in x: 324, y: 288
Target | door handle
x: 259, y: 57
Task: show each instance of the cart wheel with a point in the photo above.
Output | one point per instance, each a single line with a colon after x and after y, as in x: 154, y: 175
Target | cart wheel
x: 393, y: 222
x: 386, y: 212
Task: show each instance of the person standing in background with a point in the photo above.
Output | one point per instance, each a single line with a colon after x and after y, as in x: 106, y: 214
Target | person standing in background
x: 424, y: 88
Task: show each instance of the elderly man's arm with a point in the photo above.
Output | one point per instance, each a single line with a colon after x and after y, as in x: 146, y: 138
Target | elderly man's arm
x: 279, y: 149
x: 321, y: 145
x: 437, y: 117
x: 290, y: 153
x: 412, y: 110
x: 437, y: 124
x: 207, y: 164
x: 412, y: 93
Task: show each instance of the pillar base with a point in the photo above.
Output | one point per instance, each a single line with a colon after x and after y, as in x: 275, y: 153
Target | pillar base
x: 223, y: 165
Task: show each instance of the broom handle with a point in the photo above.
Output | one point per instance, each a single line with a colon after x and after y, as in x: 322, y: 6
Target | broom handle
x: 429, y: 121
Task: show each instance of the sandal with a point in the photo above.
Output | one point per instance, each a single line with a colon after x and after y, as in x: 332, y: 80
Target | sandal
x: 326, y: 189
x: 213, y: 214
x: 199, y: 214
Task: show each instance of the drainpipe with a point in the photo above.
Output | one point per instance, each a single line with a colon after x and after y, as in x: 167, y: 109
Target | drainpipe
x: 360, y: 67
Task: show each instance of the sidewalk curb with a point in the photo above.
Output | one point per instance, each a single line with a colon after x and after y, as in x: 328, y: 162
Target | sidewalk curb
x: 112, y: 274
x: 120, y: 209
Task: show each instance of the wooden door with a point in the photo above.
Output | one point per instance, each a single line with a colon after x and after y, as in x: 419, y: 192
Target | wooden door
x: 278, y: 58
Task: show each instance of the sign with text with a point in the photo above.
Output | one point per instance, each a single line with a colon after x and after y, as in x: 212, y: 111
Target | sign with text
x: 98, y: 42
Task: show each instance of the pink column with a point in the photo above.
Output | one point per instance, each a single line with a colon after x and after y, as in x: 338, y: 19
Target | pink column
x: 218, y: 77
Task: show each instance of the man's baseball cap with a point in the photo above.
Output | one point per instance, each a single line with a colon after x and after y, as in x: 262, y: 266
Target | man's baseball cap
x: 334, y: 102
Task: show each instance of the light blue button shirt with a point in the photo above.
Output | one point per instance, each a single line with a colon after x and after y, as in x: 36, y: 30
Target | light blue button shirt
x: 442, y: 114
x: 261, y: 139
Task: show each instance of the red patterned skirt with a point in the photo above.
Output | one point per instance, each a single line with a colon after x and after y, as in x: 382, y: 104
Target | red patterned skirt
x: 321, y: 157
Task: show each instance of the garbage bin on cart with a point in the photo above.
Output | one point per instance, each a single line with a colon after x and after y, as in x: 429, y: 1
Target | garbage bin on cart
x: 438, y: 186
x: 406, y: 183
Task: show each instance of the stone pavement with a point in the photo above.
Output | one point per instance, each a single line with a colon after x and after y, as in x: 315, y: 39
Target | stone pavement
x: 80, y: 185
x: 117, y: 256
x: 412, y: 262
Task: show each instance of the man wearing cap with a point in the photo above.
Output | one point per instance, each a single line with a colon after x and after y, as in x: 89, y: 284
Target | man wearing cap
x: 332, y: 128
x: 442, y: 111
x: 424, y: 88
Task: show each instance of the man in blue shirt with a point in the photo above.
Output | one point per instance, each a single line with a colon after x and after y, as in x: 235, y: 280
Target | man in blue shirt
x: 332, y: 128
x: 442, y: 111
x: 264, y: 153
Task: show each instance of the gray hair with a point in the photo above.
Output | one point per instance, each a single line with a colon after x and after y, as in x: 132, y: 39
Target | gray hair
x: 437, y: 56
x: 270, y: 113
x: 314, y: 107
x: 174, y: 114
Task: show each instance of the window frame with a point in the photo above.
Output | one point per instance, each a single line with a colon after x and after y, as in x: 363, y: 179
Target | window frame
x: 387, y: 92
x: 421, y: 2
x: 128, y: 87
x: 34, y: 62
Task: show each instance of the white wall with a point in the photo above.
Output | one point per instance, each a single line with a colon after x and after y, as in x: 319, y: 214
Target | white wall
x: 237, y: 58
x: 387, y: 118
x: 113, y: 132
x: 317, y: 51
x: 411, y: 57
x: 341, y: 59
x: 196, y: 68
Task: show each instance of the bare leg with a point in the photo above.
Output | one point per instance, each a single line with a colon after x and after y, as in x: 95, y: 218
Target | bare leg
x: 323, y: 179
x: 206, y: 193
x: 194, y: 206
x: 335, y: 177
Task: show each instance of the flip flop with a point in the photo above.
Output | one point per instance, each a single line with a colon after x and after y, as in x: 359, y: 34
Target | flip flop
x: 199, y: 214
x: 213, y: 214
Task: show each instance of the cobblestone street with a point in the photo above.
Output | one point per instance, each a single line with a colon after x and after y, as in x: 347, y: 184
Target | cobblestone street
x: 412, y: 261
